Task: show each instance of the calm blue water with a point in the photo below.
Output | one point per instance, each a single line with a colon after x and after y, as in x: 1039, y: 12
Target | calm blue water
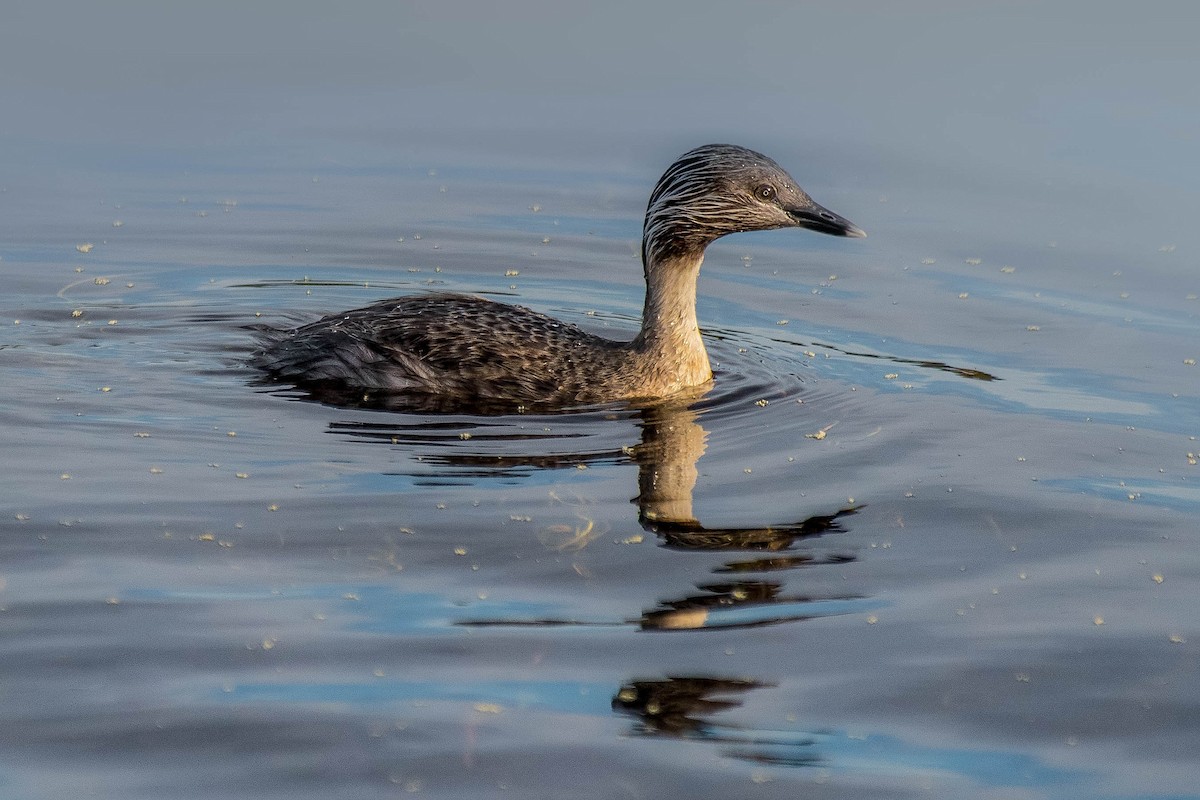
x: 932, y: 534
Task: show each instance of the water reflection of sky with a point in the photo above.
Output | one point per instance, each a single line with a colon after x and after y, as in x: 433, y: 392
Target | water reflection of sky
x: 872, y: 754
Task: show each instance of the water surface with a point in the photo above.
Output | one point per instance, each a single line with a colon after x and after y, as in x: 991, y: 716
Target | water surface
x: 931, y: 534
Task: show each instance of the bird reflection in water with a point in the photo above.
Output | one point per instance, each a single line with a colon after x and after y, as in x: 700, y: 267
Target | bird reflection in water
x: 686, y: 707
x: 672, y: 442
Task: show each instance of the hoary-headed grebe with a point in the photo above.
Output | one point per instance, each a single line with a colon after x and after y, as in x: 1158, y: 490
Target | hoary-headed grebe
x: 469, y: 350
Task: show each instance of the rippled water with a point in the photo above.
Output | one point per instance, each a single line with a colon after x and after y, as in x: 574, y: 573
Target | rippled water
x: 932, y: 532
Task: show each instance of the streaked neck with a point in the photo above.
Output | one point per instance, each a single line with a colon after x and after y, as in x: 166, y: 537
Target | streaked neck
x: 670, y: 334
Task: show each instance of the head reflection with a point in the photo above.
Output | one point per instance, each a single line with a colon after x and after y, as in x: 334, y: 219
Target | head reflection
x: 689, y: 707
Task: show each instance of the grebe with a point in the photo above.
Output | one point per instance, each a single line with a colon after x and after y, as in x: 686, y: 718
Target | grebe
x: 468, y: 350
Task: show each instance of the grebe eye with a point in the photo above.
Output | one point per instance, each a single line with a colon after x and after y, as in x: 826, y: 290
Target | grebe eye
x: 765, y: 192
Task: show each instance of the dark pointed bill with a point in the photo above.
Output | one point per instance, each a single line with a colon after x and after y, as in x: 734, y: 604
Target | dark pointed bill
x: 818, y: 218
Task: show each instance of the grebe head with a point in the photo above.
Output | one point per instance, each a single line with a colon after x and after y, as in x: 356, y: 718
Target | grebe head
x: 718, y: 189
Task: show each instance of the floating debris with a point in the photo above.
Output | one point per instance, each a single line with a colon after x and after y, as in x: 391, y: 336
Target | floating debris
x: 821, y: 434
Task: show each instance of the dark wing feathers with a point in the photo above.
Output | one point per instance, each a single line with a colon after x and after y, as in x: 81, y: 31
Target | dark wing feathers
x: 443, y: 344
